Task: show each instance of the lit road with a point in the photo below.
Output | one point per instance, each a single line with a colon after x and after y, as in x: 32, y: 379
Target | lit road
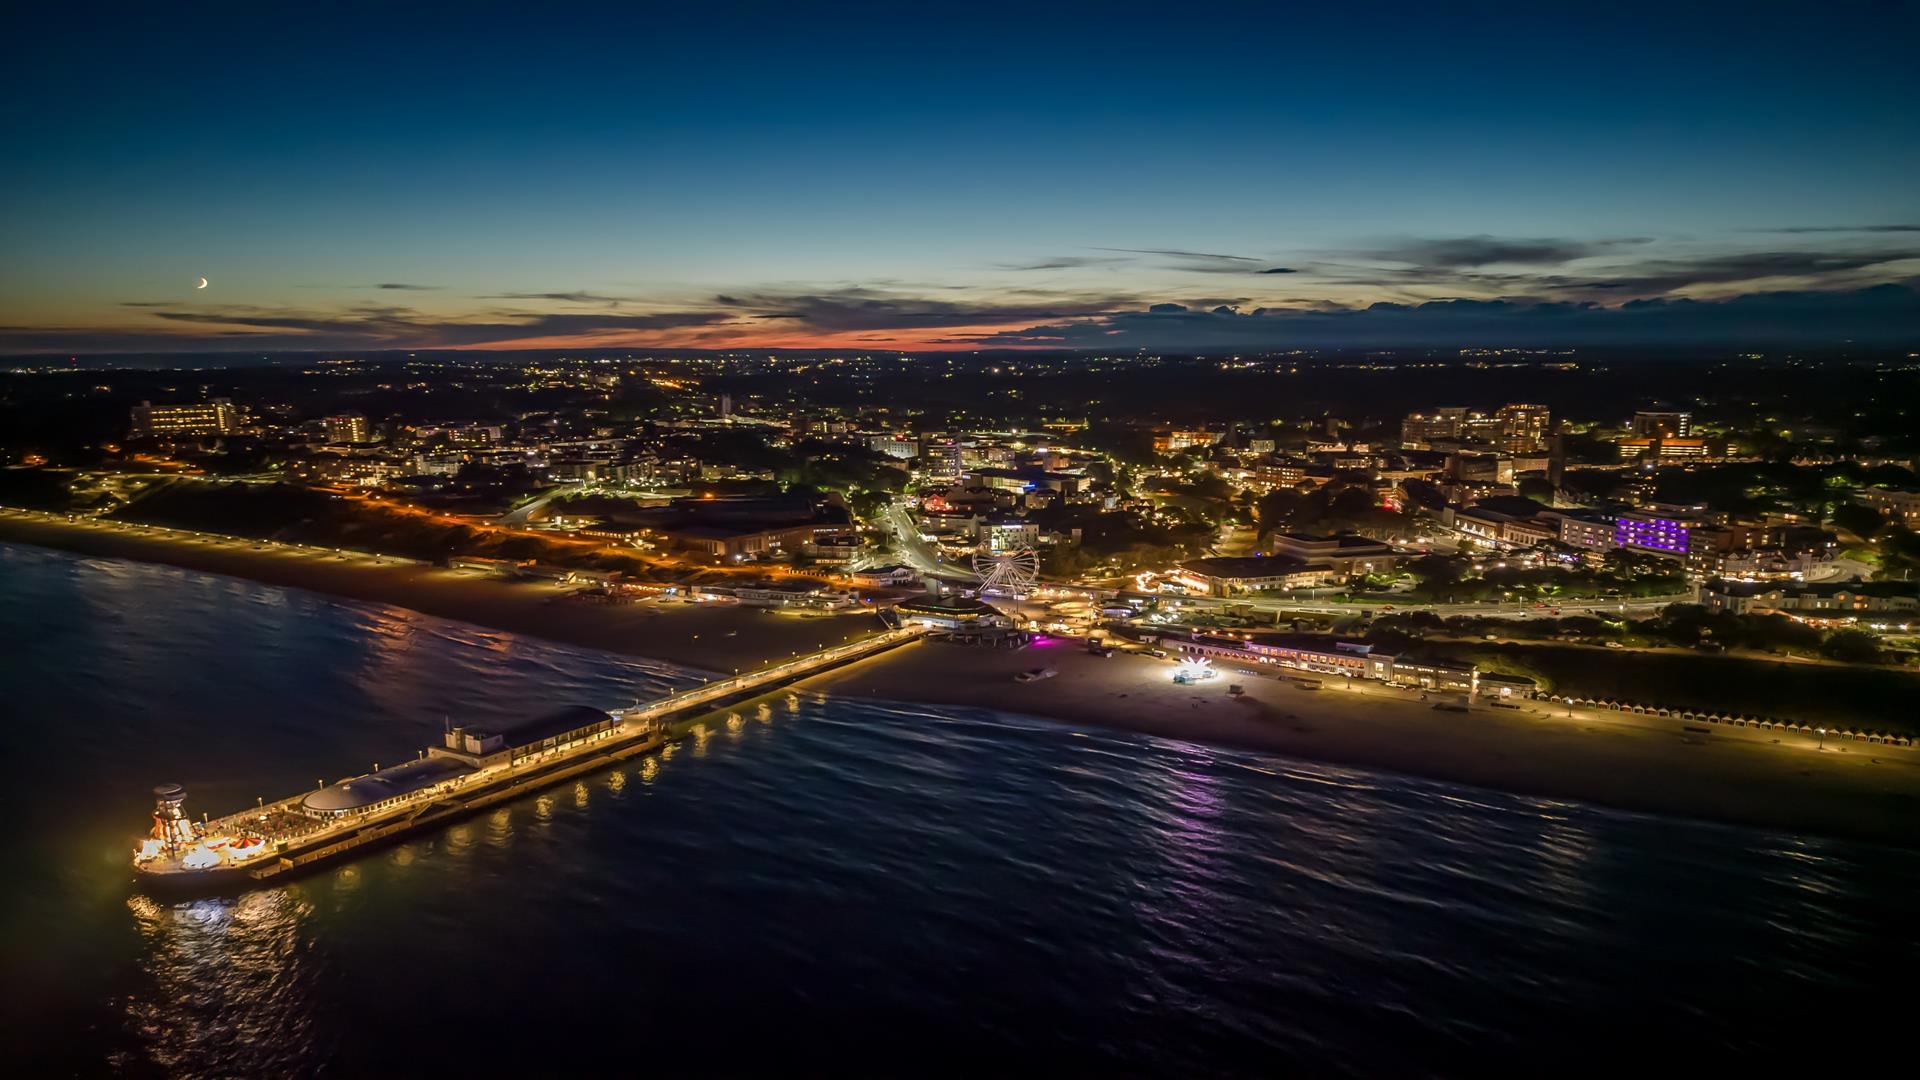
x: 917, y: 552
x: 522, y: 514
x: 1842, y: 570
x: 1640, y: 606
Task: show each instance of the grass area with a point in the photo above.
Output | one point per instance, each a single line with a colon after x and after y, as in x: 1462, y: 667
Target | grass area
x: 1847, y: 695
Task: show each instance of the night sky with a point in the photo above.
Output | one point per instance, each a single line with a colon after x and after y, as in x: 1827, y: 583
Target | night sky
x: 957, y: 176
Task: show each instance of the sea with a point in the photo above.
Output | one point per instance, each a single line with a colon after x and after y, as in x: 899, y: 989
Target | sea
x: 848, y: 887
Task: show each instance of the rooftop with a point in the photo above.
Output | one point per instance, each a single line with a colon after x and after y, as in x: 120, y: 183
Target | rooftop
x: 545, y: 726
x: 373, y: 788
x: 947, y: 605
x: 1251, y: 566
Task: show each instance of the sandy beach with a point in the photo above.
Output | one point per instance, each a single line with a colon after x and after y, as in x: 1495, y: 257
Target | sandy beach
x: 718, y: 637
x: 1745, y: 776
x: 1735, y: 775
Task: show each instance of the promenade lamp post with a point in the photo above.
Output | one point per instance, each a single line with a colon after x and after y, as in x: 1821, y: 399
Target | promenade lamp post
x: 1823, y: 738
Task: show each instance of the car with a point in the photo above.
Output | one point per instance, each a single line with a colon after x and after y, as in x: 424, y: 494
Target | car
x: 1035, y: 674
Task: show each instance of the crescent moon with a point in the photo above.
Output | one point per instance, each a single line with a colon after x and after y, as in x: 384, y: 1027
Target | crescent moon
x: 202, y: 285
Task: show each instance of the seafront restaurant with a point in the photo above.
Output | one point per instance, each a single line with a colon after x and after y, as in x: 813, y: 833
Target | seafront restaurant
x: 962, y: 619
x: 485, y: 746
x: 1348, y: 659
x: 468, y: 749
x: 379, y: 790
x: 953, y: 614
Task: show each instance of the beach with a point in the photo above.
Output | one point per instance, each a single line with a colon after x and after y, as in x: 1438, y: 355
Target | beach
x: 716, y: 637
x: 1745, y: 776
x: 1736, y: 775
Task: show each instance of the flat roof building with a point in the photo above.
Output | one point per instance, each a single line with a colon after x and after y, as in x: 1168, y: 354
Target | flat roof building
x: 1223, y: 575
x: 378, y: 790
x: 216, y: 417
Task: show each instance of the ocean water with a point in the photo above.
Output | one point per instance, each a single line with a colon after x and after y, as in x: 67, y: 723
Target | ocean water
x: 847, y: 887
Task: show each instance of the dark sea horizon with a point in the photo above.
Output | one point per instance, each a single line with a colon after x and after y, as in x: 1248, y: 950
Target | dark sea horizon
x: 847, y: 886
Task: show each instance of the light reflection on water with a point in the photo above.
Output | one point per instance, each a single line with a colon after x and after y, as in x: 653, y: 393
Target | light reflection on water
x: 863, y: 881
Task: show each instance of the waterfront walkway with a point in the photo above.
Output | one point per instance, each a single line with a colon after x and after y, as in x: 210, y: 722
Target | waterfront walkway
x: 773, y: 675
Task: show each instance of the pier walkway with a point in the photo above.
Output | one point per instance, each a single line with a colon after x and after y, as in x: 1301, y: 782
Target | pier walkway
x: 254, y: 846
x: 767, y: 678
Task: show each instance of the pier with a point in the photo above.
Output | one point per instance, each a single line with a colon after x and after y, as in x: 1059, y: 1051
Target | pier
x: 243, y: 850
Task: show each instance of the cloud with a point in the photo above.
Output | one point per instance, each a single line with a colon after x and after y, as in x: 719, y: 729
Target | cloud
x: 1476, y: 251
x: 1845, y: 229
x: 405, y: 286
x: 1064, y: 262
x: 363, y: 327
x: 869, y: 309
x: 1656, y: 276
x: 1819, y: 296
x: 1887, y: 314
x: 1280, y: 270
x: 561, y: 297
x: 1177, y: 254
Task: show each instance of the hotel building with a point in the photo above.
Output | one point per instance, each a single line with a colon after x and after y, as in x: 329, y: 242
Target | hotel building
x: 216, y: 417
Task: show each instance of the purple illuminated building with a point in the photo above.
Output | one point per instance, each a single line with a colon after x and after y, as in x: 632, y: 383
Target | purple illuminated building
x: 1652, y: 533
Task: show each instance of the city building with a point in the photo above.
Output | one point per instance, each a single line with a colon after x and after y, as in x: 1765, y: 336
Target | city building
x: 1021, y: 480
x: 217, y: 417
x: 615, y: 533
x: 353, y: 469
x: 1222, y: 575
x: 884, y: 577
x: 1166, y: 442
x: 952, y: 614
x: 894, y: 447
x: 811, y: 595
x: 1280, y: 473
x: 350, y: 428
x: 1419, y: 431
x: 1902, y: 504
x: 1346, y: 659
x: 1524, y: 428
x: 1831, y: 600
x: 1708, y: 545
x: 1662, y: 424
x: 1670, y: 448
x: 1588, y: 529
x: 1346, y: 554
x: 1643, y: 531
x: 741, y: 541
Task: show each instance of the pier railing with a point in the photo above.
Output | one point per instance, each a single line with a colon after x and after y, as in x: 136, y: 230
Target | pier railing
x: 784, y: 671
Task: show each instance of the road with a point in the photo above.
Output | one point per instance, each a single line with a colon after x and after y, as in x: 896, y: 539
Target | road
x: 1616, y: 608
x: 919, y: 554
x: 520, y: 515
x: 1842, y: 570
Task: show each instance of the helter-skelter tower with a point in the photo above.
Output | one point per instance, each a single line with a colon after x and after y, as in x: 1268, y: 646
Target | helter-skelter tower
x: 170, y: 824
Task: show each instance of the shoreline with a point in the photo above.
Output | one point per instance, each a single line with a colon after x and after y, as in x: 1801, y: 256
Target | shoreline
x: 1739, y: 776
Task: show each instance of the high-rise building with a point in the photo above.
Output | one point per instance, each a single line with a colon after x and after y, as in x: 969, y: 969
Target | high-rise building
x: 348, y: 428
x: 1418, y: 430
x: 216, y: 417
x: 1524, y: 427
x: 1662, y: 424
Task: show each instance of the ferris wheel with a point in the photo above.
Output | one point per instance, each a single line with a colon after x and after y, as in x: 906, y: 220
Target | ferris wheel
x: 1009, y: 571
